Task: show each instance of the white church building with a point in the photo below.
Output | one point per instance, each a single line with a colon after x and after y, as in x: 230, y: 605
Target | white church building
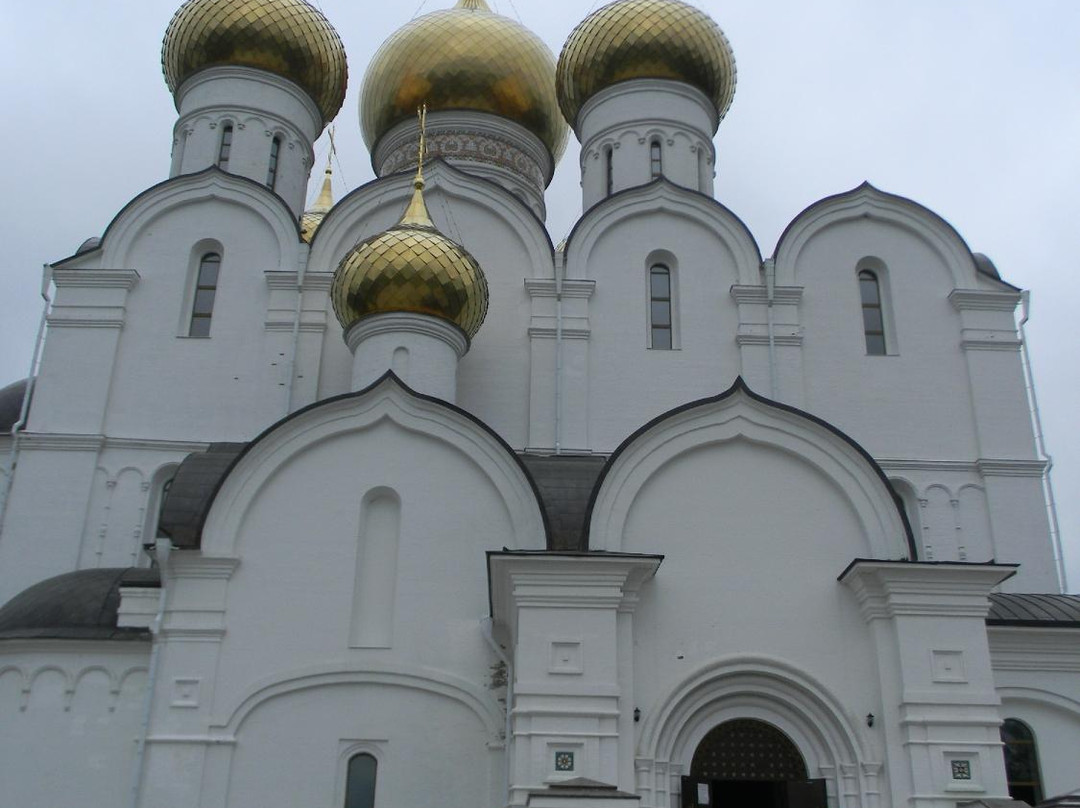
x: 393, y: 502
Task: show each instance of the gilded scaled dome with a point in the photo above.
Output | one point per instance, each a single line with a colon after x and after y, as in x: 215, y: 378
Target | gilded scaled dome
x: 645, y: 39
x: 287, y: 37
x: 463, y: 58
x: 411, y: 267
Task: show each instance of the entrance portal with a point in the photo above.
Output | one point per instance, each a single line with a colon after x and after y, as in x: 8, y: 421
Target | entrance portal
x: 749, y: 763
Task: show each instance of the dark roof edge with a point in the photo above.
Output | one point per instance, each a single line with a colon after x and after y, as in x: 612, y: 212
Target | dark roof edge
x: 389, y: 376
x: 740, y: 385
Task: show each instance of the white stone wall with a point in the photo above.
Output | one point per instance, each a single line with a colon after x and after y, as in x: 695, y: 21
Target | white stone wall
x: 70, y: 714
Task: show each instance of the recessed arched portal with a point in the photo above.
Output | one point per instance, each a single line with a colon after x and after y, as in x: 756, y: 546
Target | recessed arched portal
x: 745, y: 761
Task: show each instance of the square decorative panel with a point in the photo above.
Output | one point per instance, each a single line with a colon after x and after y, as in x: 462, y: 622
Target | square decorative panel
x: 947, y: 666
x: 564, y: 761
x: 961, y: 769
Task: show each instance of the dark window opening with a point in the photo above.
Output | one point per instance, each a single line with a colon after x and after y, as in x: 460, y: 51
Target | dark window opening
x: 360, y: 782
x: 271, y: 172
x: 873, y: 320
x: 609, y: 172
x: 226, y: 147
x: 660, y: 307
x: 202, y: 307
x: 1021, y: 762
x: 656, y: 165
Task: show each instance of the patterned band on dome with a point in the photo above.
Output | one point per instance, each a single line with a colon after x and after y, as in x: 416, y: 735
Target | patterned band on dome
x: 463, y: 58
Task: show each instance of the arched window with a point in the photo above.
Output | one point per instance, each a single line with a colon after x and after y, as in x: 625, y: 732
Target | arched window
x: 360, y: 782
x: 1021, y: 762
x: 660, y: 307
x: 656, y: 165
x: 873, y: 320
x: 609, y: 172
x: 226, y: 147
x: 202, y: 305
x: 271, y: 171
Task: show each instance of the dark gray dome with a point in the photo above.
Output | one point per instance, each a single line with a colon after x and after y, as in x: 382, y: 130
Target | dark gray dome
x: 74, y: 606
x: 984, y: 265
x: 11, y: 398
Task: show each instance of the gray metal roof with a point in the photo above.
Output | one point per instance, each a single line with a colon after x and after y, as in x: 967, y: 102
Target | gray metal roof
x: 75, y: 606
x: 1016, y: 609
x: 565, y: 483
x: 188, y: 501
x: 11, y: 398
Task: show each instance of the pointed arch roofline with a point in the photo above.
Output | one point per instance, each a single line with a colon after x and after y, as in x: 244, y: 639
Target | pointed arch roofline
x: 206, y: 172
x: 658, y: 183
x: 867, y: 187
x: 439, y: 161
x: 737, y: 387
x: 389, y: 377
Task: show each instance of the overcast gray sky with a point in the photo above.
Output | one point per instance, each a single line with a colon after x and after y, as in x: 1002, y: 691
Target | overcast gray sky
x: 967, y: 106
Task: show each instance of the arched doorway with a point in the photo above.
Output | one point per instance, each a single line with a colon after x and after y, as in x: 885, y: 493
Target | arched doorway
x: 750, y: 762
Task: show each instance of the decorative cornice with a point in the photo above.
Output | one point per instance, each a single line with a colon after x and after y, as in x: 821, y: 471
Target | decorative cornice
x: 396, y: 322
x: 792, y: 340
x: 905, y: 464
x: 1034, y: 649
x: 156, y: 445
x: 313, y: 281
x: 59, y: 442
x: 982, y: 300
x: 190, y: 564
x: 545, y: 287
x: 545, y: 332
x: 998, y: 467
x: 96, y: 278
x: 888, y: 589
x: 58, y: 320
x: 782, y: 295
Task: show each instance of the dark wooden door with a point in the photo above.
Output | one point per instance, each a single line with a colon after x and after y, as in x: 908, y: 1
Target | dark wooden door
x: 699, y: 793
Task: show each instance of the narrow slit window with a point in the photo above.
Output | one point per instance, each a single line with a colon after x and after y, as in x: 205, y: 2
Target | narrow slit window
x: 660, y: 307
x: 271, y: 171
x: 873, y: 320
x: 360, y: 782
x: 656, y: 163
x: 1021, y: 762
x: 609, y: 172
x: 226, y: 147
x: 202, y: 307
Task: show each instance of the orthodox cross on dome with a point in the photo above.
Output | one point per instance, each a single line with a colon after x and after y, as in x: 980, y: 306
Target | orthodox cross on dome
x: 473, y: 5
x: 417, y: 212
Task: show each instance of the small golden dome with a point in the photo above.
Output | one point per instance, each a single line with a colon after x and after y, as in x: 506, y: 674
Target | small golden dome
x: 645, y: 39
x: 463, y: 58
x: 287, y: 37
x: 411, y: 267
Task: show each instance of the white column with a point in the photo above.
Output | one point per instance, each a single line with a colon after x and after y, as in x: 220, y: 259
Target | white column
x: 421, y: 350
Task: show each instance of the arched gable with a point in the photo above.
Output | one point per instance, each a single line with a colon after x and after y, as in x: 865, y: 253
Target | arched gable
x: 769, y: 690
x: 387, y: 400
x: 867, y: 202
x: 739, y: 413
x: 399, y: 675
x: 661, y: 195
x: 357, y: 215
x: 188, y: 189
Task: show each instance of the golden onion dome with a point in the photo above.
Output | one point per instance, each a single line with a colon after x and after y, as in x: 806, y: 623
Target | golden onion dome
x: 639, y: 39
x: 463, y: 58
x: 313, y: 216
x: 411, y: 267
x: 287, y: 37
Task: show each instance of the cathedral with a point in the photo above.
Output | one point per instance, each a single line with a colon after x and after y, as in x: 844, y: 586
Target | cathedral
x: 390, y: 499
